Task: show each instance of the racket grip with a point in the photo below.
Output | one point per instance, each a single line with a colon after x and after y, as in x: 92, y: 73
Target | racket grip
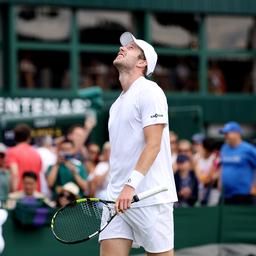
x: 149, y: 193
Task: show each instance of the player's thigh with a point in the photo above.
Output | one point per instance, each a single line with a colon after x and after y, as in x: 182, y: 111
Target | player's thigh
x: 115, y: 247
x: 152, y: 227
x: 169, y: 253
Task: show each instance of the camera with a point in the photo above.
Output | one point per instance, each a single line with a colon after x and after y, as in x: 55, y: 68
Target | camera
x: 67, y: 156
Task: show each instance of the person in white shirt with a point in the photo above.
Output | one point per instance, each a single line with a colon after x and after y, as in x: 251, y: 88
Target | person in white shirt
x: 48, y: 157
x: 140, y: 157
x: 3, y: 218
x: 100, y: 177
x: 174, y: 149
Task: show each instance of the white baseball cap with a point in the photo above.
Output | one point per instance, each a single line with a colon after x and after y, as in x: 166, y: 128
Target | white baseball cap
x: 148, y: 50
x: 72, y: 188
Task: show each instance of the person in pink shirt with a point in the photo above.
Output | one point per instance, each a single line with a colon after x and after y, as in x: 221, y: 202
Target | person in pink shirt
x: 23, y: 156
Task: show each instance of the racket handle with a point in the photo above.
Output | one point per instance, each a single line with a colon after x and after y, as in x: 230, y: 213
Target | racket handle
x: 149, y: 193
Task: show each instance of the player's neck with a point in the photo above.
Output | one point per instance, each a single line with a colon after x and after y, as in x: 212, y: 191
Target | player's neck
x: 127, y: 79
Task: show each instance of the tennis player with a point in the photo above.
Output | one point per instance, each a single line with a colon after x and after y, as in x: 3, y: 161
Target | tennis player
x: 140, y: 157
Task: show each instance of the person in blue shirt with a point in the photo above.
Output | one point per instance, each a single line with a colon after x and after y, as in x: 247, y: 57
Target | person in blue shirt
x: 238, y: 163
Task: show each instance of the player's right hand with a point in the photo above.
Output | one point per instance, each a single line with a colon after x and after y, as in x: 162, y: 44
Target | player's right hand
x: 124, y: 200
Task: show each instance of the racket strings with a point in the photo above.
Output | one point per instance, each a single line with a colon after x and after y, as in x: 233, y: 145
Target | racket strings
x: 81, y: 220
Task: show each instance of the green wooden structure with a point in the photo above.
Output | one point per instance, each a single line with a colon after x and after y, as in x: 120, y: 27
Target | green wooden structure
x: 214, y: 109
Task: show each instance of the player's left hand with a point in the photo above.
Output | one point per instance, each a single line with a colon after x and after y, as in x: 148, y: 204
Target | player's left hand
x: 124, y: 200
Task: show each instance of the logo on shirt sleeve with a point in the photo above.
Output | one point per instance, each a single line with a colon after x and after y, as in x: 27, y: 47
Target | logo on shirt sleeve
x: 156, y: 115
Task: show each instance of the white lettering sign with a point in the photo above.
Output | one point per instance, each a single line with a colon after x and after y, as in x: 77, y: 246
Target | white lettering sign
x: 43, y: 106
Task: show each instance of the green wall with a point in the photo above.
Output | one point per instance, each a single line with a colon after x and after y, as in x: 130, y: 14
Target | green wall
x: 193, y: 227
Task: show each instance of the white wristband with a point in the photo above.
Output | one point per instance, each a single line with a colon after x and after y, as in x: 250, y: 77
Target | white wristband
x: 135, y: 179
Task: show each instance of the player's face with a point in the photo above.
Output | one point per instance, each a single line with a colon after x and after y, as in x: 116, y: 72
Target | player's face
x: 128, y: 56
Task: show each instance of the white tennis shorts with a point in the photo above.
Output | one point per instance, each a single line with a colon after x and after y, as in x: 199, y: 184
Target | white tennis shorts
x: 150, y: 227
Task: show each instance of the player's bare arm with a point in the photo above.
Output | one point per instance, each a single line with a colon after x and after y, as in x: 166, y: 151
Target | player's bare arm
x: 153, y: 137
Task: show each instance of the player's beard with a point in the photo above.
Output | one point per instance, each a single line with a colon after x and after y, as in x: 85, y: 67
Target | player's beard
x: 119, y: 64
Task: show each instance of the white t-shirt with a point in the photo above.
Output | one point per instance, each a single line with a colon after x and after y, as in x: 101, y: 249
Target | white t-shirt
x: 142, y: 105
x: 101, y: 169
x: 48, y: 158
x: 3, y: 218
x: 205, y: 164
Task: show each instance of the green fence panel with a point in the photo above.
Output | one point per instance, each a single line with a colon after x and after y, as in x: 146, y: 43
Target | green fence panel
x: 186, y: 120
x: 193, y: 227
x: 238, y: 224
x: 196, y: 226
x: 40, y: 242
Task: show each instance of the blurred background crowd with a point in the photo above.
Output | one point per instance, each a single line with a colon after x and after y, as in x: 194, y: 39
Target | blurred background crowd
x: 59, y: 170
x: 54, y: 170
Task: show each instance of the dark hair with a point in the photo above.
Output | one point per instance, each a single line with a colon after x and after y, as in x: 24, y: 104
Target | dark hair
x: 70, y: 197
x: 181, y: 158
x: 22, y: 132
x: 209, y: 144
x: 29, y: 174
x: 67, y: 141
x: 73, y: 127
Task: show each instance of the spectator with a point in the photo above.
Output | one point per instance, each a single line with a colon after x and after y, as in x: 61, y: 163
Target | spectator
x: 29, y: 181
x: 185, y: 147
x: 238, y: 163
x: 186, y: 182
x: 182, y: 76
x: 207, y: 173
x: 197, y: 145
x: 23, y: 156
x: 48, y: 157
x: 66, y: 169
x: 174, y: 149
x: 253, y: 190
x: 67, y: 194
x: 92, y: 157
x: 100, y: 178
x: 98, y: 73
x: 27, y: 72
x: 217, y: 82
x: 79, y: 135
x: 3, y: 218
x: 6, y: 184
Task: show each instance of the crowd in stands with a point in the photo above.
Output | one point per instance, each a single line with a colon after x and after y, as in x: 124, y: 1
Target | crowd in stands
x: 176, y: 74
x: 209, y: 173
x: 58, y: 171
x: 54, y: 170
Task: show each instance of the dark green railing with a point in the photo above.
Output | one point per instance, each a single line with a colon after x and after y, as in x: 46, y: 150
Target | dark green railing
x: 193, y: 227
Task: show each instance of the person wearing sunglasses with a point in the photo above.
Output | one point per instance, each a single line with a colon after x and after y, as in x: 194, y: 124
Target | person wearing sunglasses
x: 68, y: 193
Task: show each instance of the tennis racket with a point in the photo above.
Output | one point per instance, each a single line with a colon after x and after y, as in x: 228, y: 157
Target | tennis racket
x: 85, y: 218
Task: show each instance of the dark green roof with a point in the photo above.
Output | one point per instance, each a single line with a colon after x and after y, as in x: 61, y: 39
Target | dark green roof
x: 241, y: 7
